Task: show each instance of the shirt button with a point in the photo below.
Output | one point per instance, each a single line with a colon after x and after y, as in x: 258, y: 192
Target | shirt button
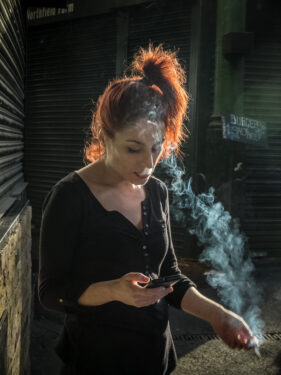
x: 60, y: 300
x: 145, y: 254
x: 144, y: 247
x: 146, y: 233
x: 146, y: 225
x: 147, y: 266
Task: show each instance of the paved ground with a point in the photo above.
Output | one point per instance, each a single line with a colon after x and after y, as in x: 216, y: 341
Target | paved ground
x: 198, y: 350
x: 200, y: 355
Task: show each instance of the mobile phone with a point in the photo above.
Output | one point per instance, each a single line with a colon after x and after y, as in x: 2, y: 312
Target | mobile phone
x: 165, y: 281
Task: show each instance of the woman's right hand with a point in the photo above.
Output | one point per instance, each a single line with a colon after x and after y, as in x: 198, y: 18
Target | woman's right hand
x: 127, y: 290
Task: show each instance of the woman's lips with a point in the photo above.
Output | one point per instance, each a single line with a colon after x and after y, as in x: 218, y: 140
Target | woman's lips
x: 142, y: 176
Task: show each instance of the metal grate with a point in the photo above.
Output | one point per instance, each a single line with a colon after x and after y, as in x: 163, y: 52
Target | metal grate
x: 262, y: 88
x: 271, y: 336
x: 68, y: 66
x: 12, y: 68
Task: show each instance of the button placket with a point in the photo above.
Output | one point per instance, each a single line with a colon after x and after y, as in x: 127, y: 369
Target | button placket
x: 144, y: 247
x: 144, y: 210
x: 145, y: 225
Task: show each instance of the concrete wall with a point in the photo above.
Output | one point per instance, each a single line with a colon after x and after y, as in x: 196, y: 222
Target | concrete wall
x: 15, y: 298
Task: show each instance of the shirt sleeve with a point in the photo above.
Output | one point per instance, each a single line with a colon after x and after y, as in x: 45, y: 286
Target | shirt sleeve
x: 59, y: 233
x: 170, y: 264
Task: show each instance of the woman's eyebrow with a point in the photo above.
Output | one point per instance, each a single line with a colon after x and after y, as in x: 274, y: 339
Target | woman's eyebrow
x: 140, y: 143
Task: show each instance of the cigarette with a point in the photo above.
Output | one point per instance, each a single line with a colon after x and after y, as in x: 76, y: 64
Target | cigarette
x: 254, y: 344
x: 257, y: 351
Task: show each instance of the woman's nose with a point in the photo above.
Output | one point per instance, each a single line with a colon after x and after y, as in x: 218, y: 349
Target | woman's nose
x: 149, y: 160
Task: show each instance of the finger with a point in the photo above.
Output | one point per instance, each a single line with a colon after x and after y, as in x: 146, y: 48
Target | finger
x: 147, y: 302
x: 252, y: 342
x: 156, y: 293
x: 242, y: 338
x: 162, y: 291
x: 247, y: 332
x: 152, y: 294
x: 152, y: 298
x: 249, y: 340
x: 136, y: 277
x: 245, y: 340
x: 240, y: 342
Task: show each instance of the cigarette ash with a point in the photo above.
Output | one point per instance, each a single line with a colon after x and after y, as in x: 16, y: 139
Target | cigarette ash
x: 224, y: 246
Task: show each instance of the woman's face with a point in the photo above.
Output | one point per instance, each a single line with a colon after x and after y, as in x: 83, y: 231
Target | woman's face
x: 133, y: 153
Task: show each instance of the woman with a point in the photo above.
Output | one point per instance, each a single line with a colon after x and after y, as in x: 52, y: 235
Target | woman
x: 105, y: 233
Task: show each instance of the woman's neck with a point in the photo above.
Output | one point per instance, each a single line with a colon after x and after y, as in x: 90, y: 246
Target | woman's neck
x: 108, y: 177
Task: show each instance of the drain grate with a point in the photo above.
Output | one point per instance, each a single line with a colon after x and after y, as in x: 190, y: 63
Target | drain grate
x: 272, y: 336
x: 195, y: 337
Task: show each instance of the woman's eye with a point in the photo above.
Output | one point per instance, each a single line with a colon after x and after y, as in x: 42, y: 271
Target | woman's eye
x: 157, y: 149
x: 154, y: 149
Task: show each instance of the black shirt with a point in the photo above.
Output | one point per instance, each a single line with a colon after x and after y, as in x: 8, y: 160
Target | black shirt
x: 82, y: 243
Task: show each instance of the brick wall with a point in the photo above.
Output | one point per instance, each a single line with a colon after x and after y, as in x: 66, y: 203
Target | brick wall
x: 16, y: 298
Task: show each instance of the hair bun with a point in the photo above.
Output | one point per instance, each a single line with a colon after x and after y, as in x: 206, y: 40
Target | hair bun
x: 152, y: 71
x: 158, y: 66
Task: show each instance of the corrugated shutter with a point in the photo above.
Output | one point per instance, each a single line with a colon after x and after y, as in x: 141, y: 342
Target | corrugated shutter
x: 69, y: 64
x: 12, y: 69
x: 262, y: 220
x: 167, y: 22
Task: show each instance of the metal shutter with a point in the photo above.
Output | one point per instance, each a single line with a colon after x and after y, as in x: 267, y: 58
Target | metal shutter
x: 69, y: 64
x: 169, y: 23
x: 12, y: 68
x: 262, y: 220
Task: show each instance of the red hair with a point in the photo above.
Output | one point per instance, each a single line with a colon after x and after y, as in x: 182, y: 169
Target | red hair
x: 155, y: 88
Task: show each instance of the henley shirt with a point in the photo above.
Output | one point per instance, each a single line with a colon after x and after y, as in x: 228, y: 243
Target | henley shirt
x: 82, y: 243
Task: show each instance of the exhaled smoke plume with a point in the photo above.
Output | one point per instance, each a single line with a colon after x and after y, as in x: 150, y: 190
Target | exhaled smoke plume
x: 223, y: 243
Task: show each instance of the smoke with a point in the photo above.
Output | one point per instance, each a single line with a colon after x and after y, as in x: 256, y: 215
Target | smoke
x: 224, y: 246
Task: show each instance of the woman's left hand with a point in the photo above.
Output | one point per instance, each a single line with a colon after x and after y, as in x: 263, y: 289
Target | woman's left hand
x: 233, y: 330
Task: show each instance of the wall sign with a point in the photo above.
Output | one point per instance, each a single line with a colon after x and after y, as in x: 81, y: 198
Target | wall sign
x: 243, y: 129
x: 39, y: 13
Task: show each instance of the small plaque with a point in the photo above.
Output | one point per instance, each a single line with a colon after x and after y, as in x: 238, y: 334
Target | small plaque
x: 245, y: 130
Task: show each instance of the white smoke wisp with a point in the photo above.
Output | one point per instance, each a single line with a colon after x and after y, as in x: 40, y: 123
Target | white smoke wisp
x: 223, y: 246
